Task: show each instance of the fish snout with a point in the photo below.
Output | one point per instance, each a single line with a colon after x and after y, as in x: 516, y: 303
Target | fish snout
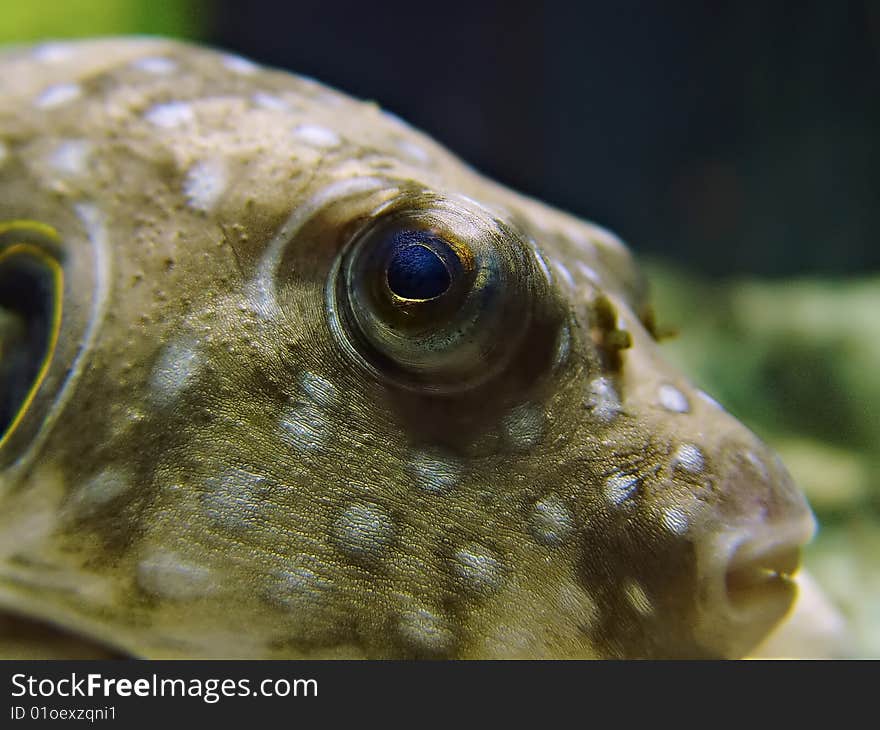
x: 746, y: 566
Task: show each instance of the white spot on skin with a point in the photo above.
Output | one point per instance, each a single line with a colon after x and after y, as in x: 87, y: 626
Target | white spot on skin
x: 620, y: 487
x: 413, y: 151
x: 589, y: 273
x: 541, y: 261
x: 710, y: 400
x: 171, y: 115
x: 167, y: 575
x: 174, y: 372
x: 523, y: 426
x: 305, y: 427
x: 689, y: 458
x: 580, y: 239
x: 234, y: 499
x: 477, y: 567
x: 59, y: 95
x: 637, y: 598
x: 425, y: 630
x: 603, y: 400
x: 672, y: 399
x: 271, y: 102
x: 299, y: 587
x: 71, y: 157
x: 435, y: 474
x: 329, y: 98
x: 320, y: 390
x: 239, y: 65
x: 363, y: 531
x: 157, y: 65
x: 675, y: 520
x: 317, y: 136
x: 758, y: 465
x: 204, y: 184
x: 563, y: 346
x: 53, y: 52
x: 563, y: 273
x: 551, y: 522
x: 99, y: 491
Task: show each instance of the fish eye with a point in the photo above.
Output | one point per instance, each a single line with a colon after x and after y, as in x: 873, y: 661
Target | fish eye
x: 435, y: 294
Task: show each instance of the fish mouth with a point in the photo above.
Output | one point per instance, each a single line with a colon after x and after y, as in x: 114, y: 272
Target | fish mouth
x: 749, y: 581
x: 761, y: 572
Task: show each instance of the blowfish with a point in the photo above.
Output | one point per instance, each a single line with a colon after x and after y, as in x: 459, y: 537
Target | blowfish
x: 282, y: 377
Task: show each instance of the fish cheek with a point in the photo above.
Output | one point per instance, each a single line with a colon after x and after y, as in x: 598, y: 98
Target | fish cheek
x: 644, y: 582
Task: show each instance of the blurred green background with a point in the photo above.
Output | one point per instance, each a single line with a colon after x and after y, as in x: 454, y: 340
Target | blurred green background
x: 734, y: 145
x: 24, y: 21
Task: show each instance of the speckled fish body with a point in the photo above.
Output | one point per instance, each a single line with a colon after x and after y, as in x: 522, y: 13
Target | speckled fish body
x: 255, y: 437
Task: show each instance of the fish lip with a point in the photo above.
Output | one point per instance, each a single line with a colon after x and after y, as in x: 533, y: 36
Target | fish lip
x: 760, y: 569
x: 761, y: 561
x: 749, y: 571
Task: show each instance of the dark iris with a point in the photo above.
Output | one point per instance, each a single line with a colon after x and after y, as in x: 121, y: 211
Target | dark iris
x: 416, y: 272
x: 27, y: 294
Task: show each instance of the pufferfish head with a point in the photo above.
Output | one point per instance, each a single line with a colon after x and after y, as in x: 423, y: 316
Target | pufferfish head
x: 605, y: 507
x: 354, y: 399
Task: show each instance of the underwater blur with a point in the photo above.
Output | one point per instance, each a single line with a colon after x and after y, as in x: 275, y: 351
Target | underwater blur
x: 734, y: 149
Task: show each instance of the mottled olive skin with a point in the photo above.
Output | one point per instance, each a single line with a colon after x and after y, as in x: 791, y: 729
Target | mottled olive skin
x: 205, y: 470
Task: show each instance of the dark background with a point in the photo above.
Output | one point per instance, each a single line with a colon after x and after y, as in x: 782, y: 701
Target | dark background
x: 728, y: 136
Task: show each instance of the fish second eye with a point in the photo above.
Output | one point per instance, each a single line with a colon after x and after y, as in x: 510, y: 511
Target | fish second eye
x: 435, y: 294
x: 30, y: 315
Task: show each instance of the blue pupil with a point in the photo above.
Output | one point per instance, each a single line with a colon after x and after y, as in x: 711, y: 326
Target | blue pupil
x: 416, y: 272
